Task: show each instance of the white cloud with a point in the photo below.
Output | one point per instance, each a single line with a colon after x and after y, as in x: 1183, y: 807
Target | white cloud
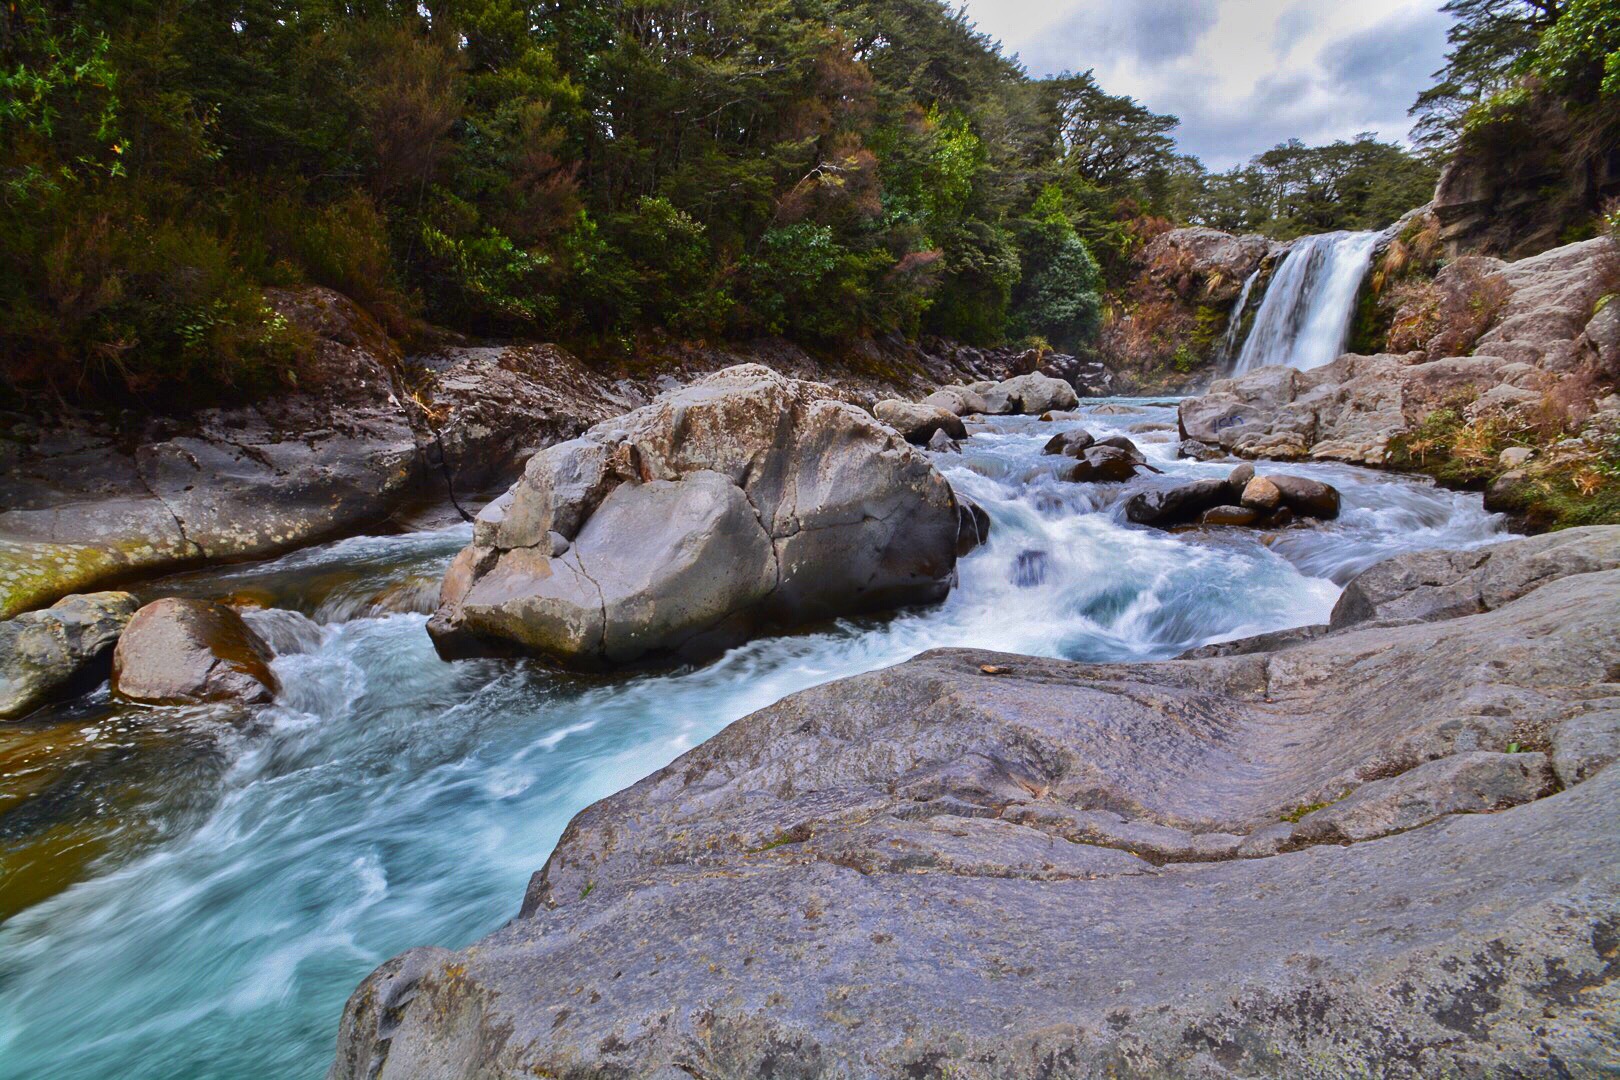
x: 1243, y: 75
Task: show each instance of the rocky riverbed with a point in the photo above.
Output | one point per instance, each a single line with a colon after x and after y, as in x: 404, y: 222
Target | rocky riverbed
x: 1260, y: 861
x: 387, y: 799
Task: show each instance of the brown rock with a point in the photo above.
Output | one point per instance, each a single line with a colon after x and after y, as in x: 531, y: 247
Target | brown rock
x: 1229, y: 515
x: 1309, y: 498
x: 1261, y: 494
x: 183, y: 652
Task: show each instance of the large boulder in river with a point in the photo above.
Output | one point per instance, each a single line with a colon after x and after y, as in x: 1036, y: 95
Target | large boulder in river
x: 918, y: 424
x: 1029, y: 395
x: 179, y: 651
x: 1319, y: 858
x: 45, y: 654
x: 745, y: 500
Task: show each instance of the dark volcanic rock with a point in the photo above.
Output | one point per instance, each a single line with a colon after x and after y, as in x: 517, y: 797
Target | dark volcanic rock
x: 1241, y: 499
x: 1307, y: 498
x: 1165, y: 508
x: 973, y: 526
x: 182, y: 652
x: 1072, y: 443
x: 1103, y: 465
x: 988, y: 866
x: 1229, y: 515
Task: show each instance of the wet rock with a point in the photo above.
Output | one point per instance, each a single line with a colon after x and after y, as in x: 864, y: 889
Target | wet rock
x: 1307, y: 498
x: 941, y: 443
x: 742, y: 501
x: 1261, y: 494
x: 1121, y: 442
x: 1229, y: 515
x: 1189, y: 503
x: 995, y: 873
x: 919, y: 423
x: 183, y: 652
x: 1029, y: 395
x: 1431, y: 585
x: 1104, y: 465
x: 1166, y: 508
x: 1072, y: 442
x: 1471, y: 783
x: 1586, y: 744
x: 45, y: 655
x: 1199, y: 451
x: 973, y: 526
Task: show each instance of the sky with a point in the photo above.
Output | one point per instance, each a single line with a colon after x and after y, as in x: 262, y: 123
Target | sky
x: 1243, y: 75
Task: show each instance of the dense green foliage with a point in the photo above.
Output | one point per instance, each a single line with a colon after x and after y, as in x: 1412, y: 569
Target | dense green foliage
x: 1533, y: 75
x: 582, y: 170
x: 1294, y: 189
x: 578, y: 169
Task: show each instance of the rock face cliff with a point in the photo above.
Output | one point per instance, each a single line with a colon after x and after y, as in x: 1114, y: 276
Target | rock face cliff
x: 1267, y: 862
x: 1168, y: 329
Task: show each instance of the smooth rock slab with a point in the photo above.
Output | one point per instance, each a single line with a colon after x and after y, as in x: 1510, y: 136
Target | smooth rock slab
x: 1472, y: 783
x: 1072, y: 870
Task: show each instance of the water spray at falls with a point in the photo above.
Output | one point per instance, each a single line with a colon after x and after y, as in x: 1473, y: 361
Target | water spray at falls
x: 1305, y: 316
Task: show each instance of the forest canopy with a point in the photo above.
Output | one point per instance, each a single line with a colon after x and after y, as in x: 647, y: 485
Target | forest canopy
x: 579, y: 170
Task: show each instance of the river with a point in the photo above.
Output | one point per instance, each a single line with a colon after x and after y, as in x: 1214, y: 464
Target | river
x: 248, y: 873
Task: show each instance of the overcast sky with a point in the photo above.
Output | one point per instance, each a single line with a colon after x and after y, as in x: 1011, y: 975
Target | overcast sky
x: 1243, y: 75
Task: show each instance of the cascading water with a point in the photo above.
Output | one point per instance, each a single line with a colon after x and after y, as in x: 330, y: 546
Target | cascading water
x: 1234, y: 323
x: 1305, y: 316
x: 388, y: 799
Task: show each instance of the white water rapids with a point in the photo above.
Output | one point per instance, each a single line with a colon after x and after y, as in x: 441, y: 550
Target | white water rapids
x: 388, y: 799
x: 1304, y: 318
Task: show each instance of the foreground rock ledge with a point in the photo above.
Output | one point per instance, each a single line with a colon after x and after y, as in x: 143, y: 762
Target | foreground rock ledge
x: 1072, y: 870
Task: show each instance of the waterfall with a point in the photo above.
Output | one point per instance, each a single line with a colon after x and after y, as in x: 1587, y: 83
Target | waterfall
x: 1234, y: 323
x: 1305, y: 316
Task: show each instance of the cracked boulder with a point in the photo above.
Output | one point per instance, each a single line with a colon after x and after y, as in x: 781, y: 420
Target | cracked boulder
x: 45, y: 654
x: 180, y: 651
x: 980, y: 865
x: 744, y: 501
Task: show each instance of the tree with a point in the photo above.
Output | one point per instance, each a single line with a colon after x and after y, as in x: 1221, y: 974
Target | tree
x: 1490, y: 40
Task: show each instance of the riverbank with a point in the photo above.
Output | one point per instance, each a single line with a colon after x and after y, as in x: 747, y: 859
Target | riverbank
x: 388, y: 799
x: 371, y: 435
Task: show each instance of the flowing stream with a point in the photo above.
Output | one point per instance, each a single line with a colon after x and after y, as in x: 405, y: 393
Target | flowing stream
x: 387, y: 799
x: 1304, y: 318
